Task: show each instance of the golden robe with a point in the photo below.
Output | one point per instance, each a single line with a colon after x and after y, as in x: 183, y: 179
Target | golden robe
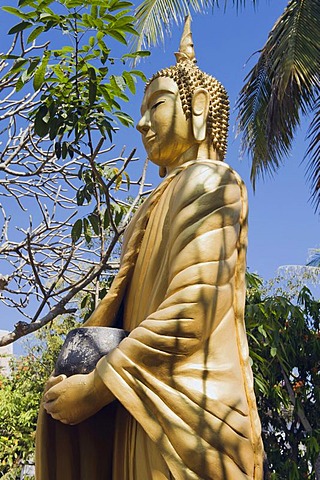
x: 186, y: 408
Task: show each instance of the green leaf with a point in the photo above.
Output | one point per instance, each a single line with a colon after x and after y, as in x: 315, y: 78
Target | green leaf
x: 109, y: 18
x: 118, y: 35
x: 70, y: 151
x: 80, y: 172
x: 94, y: 11
x: 54, y: 125
x: 9, y: 57
x: 118, y: 82
x: 87, y: 230
x: 74, y: 3
x: 76, y: 230
x: 15, y: 11
x: 64, y: 150
x: 19, y: 84
x: 128, y: 180
x: 137, y: 73
x: 273, y: 351
x: 94, y: 220
x: 124, y: 118
x: 35, y: 33
x: 85, y: 302
x: 139, y: 53
x: 19, y: 27
x: 103, y: 71
x: 262, y: 331
x: 57, y: 149
x: 80, y: 196
x: 92, y: 85
x: 106, y: 219
x: 67, y: 49
x: 124, y: 21
x: 50, y: 18
x: 103, y: 11
x: 41, y: 127
x: 116, y: 5
x: 33, y: 64
x: 18, y: 64
x: 87, y: 192
x: 39, y: 75
x: 118, y: 214
x: 103, y: 47
x: 105, y: 93
x: 23, y: 3
x: 60, y: 74
x: 129, y: 81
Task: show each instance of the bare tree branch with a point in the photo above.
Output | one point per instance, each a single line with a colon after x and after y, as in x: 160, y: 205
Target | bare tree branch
x: 300, y: 411
x: 64, y: 204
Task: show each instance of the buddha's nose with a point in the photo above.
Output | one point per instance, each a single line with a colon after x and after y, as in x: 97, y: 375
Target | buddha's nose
x: 144, y: 124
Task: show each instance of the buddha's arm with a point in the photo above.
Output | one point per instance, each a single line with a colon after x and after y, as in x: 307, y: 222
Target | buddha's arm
x: 203, y: 245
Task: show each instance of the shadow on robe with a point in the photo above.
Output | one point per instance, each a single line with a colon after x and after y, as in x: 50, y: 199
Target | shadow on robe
x: 76, y: 452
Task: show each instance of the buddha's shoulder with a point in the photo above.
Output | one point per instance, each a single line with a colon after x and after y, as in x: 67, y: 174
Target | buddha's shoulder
x: 207, y: 175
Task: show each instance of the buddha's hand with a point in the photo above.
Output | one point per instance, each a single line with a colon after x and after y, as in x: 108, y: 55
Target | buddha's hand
x: 72, y: 400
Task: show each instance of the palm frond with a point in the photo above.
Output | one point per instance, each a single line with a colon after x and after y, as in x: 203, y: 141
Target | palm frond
x: 280, y: 87
x: 313, y: 156
x: 156, y: 17
x: 314, y: 260
x: 240, y: 4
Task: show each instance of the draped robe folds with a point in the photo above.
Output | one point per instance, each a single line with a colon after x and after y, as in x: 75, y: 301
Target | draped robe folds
x: 185, y: 405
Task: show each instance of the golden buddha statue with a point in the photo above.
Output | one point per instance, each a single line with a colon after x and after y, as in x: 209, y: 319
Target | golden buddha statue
x: 185, y: 406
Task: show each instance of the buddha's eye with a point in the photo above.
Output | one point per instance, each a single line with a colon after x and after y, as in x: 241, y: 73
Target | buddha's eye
x: 157, y: 104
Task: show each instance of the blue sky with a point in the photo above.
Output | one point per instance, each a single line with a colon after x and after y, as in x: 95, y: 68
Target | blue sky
x: 282, y: 222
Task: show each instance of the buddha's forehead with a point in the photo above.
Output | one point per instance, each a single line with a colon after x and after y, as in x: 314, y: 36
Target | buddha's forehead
x: 158, y: 85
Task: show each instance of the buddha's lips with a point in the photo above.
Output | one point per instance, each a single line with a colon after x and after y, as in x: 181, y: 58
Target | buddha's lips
x: 149, y: 138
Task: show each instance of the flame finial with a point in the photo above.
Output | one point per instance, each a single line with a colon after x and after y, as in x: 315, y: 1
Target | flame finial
x: 186, y: 49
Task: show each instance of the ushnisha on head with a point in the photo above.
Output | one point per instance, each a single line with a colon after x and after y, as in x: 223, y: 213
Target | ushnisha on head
x: 203, y: 99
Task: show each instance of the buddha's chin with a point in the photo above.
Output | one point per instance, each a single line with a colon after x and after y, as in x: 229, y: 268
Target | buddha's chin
x: 169, y: 158
x: 161, y: 162
x: 157, y: 159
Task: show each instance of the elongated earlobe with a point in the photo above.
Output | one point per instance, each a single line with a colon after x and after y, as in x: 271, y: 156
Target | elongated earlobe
x: 200, y: 110
x: 162, y: 172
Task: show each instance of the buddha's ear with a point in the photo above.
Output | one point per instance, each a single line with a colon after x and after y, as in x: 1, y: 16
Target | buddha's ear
x: 200, y: 110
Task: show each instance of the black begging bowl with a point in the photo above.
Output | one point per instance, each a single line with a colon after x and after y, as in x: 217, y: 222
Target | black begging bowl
x: 84, y: 347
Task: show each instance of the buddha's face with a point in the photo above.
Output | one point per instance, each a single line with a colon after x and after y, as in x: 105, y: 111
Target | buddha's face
x: 166, y: 133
